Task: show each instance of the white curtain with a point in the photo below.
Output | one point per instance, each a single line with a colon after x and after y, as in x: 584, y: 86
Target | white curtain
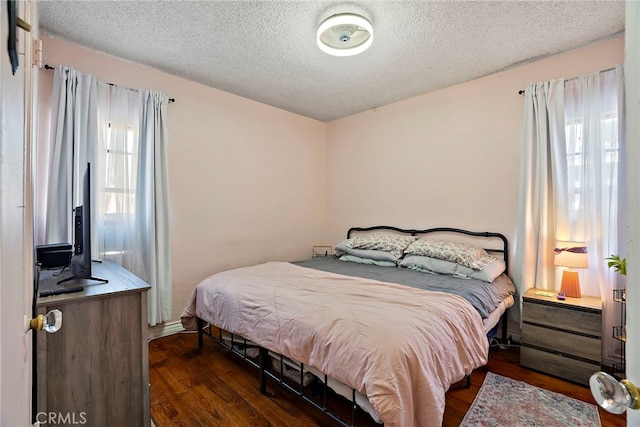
x: 593, y: 121
x: 135, y: 203
x: 74, y: 140
x: 155, y: 198
x: 571, y: 182
x: 115, y: 218
x: 127, y: 146
x: 542, y: 140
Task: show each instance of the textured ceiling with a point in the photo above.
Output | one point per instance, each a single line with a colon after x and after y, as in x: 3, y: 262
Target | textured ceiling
x: 266, y: 50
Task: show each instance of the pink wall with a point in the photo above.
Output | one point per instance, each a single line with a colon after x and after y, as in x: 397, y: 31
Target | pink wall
x: 251, y: 183
x: 247, y: 181
x: 447, y: 158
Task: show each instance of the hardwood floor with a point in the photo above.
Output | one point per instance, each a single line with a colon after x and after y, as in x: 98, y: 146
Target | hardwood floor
x: 212, y: 387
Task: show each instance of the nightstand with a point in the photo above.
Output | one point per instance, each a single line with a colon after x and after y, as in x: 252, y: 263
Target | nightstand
x: 321, y: 251
x: 561, y: 338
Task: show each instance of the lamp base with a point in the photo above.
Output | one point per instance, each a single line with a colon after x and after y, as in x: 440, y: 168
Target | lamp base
x: 570, y: 286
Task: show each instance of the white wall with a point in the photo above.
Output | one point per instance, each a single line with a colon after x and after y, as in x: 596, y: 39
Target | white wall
x: 246, y: 181
x: 447, y: 158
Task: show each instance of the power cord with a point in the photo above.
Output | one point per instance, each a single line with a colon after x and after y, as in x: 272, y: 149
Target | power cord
x: 61, y: 271
x: 495, y: 343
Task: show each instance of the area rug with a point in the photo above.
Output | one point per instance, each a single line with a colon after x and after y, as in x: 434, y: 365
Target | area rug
x: 503, y: 402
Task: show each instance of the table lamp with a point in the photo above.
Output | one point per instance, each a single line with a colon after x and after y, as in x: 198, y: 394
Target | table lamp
x: 572, y: 255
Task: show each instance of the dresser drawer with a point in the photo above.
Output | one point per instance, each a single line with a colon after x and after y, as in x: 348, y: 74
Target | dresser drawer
x: 558, y: 365
x: 569, y: 318
x: 562, y: 342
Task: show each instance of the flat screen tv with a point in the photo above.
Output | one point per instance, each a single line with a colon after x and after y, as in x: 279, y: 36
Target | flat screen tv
x: 81, y: 259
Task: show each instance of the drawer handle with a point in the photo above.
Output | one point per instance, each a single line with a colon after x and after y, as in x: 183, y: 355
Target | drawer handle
x: 613, y: 395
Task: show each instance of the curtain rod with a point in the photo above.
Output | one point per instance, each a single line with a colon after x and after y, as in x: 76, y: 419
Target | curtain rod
x: 521, y: 91
x: 49, y: 67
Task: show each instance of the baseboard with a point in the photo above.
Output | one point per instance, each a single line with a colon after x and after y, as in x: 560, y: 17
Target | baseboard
x: 165, y: 329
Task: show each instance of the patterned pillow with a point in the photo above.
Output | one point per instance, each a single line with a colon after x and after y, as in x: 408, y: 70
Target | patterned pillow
x: 460, y: 253
x: 392, y: 243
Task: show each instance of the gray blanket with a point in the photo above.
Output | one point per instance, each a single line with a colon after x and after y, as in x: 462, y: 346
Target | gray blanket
x: 483, y: 296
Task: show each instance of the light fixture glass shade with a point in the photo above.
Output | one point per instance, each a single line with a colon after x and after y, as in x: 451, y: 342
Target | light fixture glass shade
x: 345, y: 34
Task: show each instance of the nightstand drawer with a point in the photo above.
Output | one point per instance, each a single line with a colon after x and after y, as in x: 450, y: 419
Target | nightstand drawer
x: 555, y: 364
x: 562, y: 342
x: 569, y: 318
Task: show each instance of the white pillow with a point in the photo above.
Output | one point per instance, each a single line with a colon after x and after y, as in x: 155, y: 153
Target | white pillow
x: 422, y: 263
x: 353, y: 258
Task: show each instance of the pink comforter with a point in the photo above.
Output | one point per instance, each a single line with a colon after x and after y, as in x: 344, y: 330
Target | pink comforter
x: 401, y: 347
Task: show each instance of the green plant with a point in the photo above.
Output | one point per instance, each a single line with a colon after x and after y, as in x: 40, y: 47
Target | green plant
x: 618, y: 264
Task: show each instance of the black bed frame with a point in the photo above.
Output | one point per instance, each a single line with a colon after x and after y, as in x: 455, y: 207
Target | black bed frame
x: 485, y: 234
x: 318, y: 398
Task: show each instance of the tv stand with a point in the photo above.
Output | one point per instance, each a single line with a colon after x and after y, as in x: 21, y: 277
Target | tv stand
x: 97, y: 364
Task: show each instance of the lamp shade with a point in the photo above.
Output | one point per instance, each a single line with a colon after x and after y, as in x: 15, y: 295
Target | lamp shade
x: 571, y: 254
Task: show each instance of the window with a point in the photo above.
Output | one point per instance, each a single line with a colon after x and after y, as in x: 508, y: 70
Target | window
x: 120, y: 182
x: 121, y: 160
x: 575, y: 159
x: 598, y: 167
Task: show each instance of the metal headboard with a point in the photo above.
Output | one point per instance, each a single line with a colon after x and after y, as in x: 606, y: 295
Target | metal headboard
x: 415, y: 232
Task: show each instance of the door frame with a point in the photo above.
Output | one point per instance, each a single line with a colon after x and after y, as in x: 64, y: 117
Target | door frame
x: 632, y: 104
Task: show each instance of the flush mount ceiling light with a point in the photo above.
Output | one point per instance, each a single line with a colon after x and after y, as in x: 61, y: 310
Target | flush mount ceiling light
x: 345, y: 34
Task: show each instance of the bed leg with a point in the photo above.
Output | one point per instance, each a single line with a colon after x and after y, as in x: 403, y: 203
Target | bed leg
x: 354, y: 408
x: 468, y: 381
x: 504, y: 325
x: 200, y: 333
x: 264, y: 357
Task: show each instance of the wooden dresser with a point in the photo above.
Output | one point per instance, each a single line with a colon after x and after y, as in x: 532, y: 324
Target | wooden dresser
x: 95, y: 368
x: 562, y: 338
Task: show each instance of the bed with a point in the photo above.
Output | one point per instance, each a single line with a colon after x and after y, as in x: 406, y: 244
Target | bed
x: 385, y: 324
